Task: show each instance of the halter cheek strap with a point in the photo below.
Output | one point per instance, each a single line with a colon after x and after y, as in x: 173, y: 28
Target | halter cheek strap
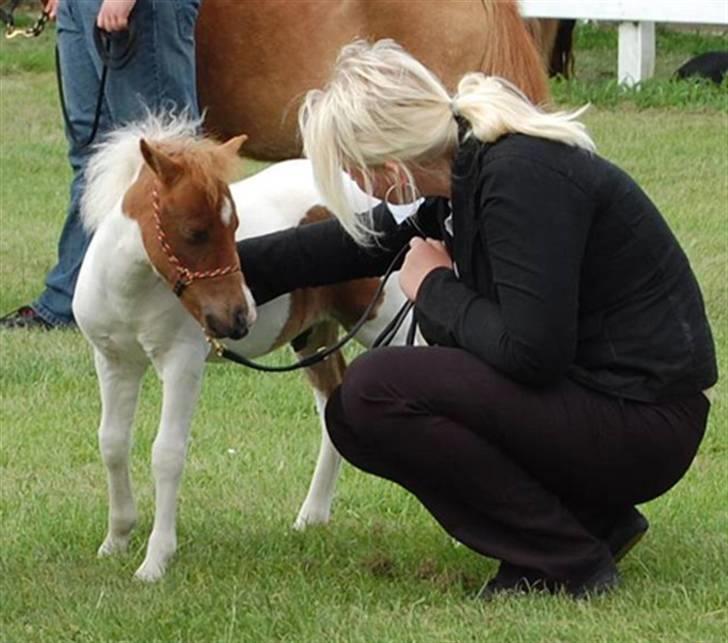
x: 185, y: 276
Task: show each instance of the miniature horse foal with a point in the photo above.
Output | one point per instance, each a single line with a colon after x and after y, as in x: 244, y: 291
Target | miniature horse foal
x: 162, y: 272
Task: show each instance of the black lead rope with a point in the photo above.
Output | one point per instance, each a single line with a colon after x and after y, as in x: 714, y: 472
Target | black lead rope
x: 411, y: 331
x: 110, y: 60
x: 118, y: 56
x: 389, y: 332
x: 97, y: 115
x: 383, y: 339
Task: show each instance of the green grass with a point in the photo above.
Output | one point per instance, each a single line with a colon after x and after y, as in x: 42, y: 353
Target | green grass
x: 595, y: 80
x: 382, y: 571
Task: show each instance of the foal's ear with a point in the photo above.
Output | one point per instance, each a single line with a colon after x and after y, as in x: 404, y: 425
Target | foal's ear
x: 165, y: 167
x: 232, y: 146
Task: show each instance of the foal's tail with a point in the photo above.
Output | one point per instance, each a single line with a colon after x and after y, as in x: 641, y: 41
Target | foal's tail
x: 510, y: 51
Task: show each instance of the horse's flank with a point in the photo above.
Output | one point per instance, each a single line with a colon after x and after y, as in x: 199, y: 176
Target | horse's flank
x: 257, y: 59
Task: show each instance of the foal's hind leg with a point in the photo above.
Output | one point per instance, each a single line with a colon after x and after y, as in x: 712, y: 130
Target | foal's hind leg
x: 324, y: 377
x: 119, y: 384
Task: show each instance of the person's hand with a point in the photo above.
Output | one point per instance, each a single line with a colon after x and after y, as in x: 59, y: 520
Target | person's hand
x: 51, y: 8
x: 421, y: 259
x: 114, y: 15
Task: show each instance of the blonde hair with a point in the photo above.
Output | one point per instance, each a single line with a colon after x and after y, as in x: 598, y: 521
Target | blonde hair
x: 381, y: 104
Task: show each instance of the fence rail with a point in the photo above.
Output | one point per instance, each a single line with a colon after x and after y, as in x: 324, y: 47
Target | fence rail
x: 637, y: 20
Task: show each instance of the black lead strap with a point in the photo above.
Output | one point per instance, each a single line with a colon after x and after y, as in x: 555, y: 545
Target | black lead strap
x: 116, y: 48
x: 97, y: 114
x: 389, y: 332
x: 383, y: 339
x: 110, y: 60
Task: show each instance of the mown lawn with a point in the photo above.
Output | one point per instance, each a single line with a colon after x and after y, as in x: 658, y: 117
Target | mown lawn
x: 382, y: 570
x: 595, y: 69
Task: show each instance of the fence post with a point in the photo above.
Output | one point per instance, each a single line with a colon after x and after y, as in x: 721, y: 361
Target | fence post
x: 636, y: 52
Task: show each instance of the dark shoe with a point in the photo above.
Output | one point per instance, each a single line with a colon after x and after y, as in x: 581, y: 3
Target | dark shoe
x: 25, y: 317
x: 602, y: 581
x: 511, y: 579
x: 626, y: 533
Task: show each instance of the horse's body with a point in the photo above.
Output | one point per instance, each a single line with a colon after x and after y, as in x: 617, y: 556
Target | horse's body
x: 257, y: 58
x: 126, y: 308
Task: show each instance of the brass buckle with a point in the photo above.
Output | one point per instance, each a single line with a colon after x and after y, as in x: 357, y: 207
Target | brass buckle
x: 217, y: 346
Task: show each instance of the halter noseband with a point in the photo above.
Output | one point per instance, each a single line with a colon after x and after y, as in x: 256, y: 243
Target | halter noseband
x: 185, y: 276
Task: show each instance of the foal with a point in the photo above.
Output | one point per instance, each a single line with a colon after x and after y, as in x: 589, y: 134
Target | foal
x: 162, y: 272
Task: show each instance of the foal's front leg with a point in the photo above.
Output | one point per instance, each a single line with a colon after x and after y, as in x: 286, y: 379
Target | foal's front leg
x: 181, y: 371
x: 119, y: 385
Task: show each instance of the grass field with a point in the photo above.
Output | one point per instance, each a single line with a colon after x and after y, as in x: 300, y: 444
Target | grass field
x: 595, y: 77
x: 382, y: 570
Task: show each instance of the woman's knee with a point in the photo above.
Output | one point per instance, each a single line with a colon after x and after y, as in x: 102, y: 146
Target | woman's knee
x: 359, y: 408
x: 370, y: 386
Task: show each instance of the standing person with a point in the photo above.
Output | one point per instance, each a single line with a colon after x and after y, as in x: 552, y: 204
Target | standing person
x: 569, y: 346
x: 158, y: 36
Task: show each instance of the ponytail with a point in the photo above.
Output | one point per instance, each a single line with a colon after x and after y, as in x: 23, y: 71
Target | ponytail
x: 382, y: 105
x: 494, y: 107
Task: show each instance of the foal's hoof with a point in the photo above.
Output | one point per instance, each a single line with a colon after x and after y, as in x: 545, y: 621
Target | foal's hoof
x: 160, y: 550
x: 112, y: 546
x: 150, y: 572
x: 309, y: 517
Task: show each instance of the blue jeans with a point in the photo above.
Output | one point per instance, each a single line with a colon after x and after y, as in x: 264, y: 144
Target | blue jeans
x: 159, y: 76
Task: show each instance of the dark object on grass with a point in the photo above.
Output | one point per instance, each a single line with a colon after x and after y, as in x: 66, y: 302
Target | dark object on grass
x: 712, y: 65
x: 24, y: 317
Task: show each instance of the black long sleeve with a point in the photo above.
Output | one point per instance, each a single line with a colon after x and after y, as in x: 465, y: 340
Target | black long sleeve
x: 533, y: 224
x: 565, y: 267
x: 322, y: 253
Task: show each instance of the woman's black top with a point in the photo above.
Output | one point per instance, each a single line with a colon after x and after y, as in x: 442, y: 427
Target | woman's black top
x: 564, y: 267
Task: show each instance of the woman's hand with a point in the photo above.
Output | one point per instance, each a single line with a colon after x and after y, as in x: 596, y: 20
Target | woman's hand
x: 114, y: 15
x: 423, y: 257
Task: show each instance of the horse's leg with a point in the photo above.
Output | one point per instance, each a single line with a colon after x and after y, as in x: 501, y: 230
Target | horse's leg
x: 324, y: 377
x: 119, y: 384
x: 181, y: 371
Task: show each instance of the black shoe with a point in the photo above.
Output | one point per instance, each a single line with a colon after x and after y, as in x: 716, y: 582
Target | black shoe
x: 25, y: 317
x: 602, y: 581
x: 626, y: 532
x: 511, y: 579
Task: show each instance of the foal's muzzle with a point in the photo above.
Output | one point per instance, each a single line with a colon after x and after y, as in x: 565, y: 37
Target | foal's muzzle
x: 235, y: 327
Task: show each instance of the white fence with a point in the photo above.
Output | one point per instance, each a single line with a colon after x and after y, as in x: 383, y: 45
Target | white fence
x: 637, y: 20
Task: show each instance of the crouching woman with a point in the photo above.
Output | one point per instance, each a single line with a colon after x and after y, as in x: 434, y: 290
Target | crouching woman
x: 569, y: 349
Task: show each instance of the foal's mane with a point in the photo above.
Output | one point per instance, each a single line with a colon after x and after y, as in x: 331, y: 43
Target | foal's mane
x: 117, y: 161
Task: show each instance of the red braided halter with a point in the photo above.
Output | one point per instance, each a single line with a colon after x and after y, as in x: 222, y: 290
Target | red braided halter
x: 185, y: 276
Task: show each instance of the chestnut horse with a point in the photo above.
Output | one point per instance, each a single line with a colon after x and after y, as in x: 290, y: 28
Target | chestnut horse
x: 162, y: 272
x: 257, y: 58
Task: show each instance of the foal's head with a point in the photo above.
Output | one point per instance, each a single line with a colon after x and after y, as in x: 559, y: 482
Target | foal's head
x: 188, y: 220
